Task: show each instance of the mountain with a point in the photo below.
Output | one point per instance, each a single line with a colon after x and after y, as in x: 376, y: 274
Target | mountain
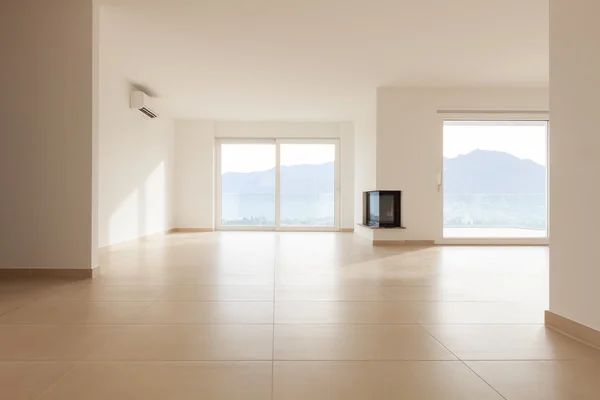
x: 296, y: 179
x: 493, y: 172
x: 307, y: 196
x: 482, y: 188
x: 478, y: 172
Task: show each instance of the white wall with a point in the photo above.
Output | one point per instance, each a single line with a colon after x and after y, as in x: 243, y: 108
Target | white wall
x: 574, y: 160
x: 194, y: 155
x: 194, y: 174
x: 135, y: 152
x: 365, y: 152
x: 46, y: 174
x: 347, y: 172
x: 409, y: 145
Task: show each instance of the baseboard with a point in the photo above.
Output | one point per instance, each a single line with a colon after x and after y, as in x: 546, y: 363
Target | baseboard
x: 573, y: 329
x: 13, y: 273
x: 50, y: 273
x: 347, y: 230
x: 487, y: 243
x: 145, y: 238
x: 403, y: 243
x: 189, y: 230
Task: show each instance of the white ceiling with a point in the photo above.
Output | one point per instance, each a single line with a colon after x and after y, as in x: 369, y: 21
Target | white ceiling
x: 318, y: 59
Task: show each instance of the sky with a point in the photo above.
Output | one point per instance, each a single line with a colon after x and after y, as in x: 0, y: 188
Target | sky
x: 261, y: 157
x: 523, y: 140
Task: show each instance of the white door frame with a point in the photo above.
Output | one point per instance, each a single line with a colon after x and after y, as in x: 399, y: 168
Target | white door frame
x: 497, y: 117
x: 277, y: 142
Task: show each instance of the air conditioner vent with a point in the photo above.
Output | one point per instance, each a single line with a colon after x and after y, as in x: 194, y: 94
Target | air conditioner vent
x: 148, y: 112
x: 143, y: 103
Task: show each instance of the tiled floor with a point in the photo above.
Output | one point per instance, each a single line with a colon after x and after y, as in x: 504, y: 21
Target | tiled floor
x: 292, y: 316
x: 497, y: 233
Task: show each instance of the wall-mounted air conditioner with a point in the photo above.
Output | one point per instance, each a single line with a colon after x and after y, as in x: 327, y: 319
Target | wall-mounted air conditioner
x: 143, y: 103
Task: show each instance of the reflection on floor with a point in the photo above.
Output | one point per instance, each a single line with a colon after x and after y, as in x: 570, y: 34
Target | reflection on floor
x: 495, y: 233
x: 292, y: 316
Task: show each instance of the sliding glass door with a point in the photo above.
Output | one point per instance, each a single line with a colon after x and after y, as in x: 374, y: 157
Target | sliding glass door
x: 495, y: 179
x: 247, y: 172
x: 307, y: 190
x: 277, y: 184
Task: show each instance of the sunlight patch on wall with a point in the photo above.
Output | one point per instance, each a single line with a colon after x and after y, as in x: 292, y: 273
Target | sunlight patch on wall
x: 124, y: 222
x: 155, y: 194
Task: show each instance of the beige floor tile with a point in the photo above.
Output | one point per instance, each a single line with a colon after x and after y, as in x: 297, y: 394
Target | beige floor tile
x: 207, y: 313
x: 51, y: 342
x: 27, y: 381
x: 378, y: 380
x: 189, y: 278
x: 218, y: 293
x: 235, y: 267
x: 541, y: 380
x: 104, y: 293
x: 356, y: 342
x: 524, y: 286
x: 9, y: 306
x: 436, y: 294
x: 478, y: 313
x: 188, y: 343
x: 75, y: 313
x: 362, y: 275
x: 328, y: 293
x: 158, y: 381
x: 344, y: 300
x: 23, y: 298
x: 509, y: 342
x: 29, y: 290
x: 193, y: 271
x: 345, y: 313
x: 186, y: 257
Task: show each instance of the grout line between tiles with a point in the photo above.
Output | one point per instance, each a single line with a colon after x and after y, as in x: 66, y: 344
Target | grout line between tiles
x: 41, y: 299
x: 9, y: 311
x: 197, y: 324
x: 268, y: 360
x: 273, y: 332
x: 123, y: 326
x: 462, y: 361
x: 241, y: 300
x: 523, y: 360
x: 56, y: 381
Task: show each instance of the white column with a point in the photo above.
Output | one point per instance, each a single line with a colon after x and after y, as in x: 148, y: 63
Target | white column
x: 48, y: 129
x: 575, y: 160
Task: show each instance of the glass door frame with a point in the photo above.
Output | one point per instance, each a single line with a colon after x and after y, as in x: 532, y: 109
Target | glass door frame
x: 277, y: 227
x: 516, y: 116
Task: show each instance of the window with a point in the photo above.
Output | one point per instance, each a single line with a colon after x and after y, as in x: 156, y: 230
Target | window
x: 495, y: 179
x: 277, y: 184
x: 248, y: 184
x: 308, y: 185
